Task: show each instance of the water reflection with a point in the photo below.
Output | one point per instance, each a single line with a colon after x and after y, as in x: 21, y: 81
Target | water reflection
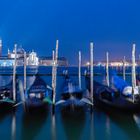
x: 100, y: 125
x: 53, y: 127
x: 4, y: 114
x: 108, y: 127
x: 73, y: 125
x: 13, y: 130
x: 91, y: 126
x: 32, y: 124
x: 137, y: 120
x: 126, y: 122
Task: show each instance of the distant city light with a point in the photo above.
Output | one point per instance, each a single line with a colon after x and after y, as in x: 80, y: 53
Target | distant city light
x: 87, y: 63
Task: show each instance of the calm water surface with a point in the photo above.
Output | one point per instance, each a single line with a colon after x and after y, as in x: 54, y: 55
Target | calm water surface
x: 100, y: 125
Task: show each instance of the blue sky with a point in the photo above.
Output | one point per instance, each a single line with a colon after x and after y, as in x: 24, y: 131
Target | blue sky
x: 113, y: 25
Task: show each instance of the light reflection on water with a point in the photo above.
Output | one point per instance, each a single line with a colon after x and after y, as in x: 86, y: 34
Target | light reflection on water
x: 137, y: 120
x: 98, y: 125
x: 108, y: 131
x: 53, y: 128
x: 13, y: 132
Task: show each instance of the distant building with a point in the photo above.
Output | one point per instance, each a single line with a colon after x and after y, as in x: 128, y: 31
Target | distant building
x: 115, y: 63
x: 4, y: 61
x: 31, y: 59
x: 20, y: 53
x: 47, y: 61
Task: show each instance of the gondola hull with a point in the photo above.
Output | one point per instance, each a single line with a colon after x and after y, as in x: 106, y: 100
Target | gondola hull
x: 5, y: 106
x: 36, y: 107
x: 108, y: 98
x: 37, y: 96
x: 6, y: 97
x: 72, y: 106
x: 73, y: 99
x: 120, y: 105
x: 35, y: 103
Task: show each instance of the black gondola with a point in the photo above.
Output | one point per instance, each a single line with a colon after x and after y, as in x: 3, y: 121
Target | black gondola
x: 6, y: 96
x: 72, y: 97
x: 38, y: 94
x: 110, y: 98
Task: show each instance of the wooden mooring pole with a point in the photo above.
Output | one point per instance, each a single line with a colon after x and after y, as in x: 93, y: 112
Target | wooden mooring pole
x: 14, y: 73
x: 124, y: 68
x: 54, y: 75
x: 91, y: 72
x: 107, y: 69
x: 25, y: 75
x: 79, y: 70
x: 133, y: 70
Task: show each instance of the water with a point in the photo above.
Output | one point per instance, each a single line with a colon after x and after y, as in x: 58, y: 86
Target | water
x: 100, y: 125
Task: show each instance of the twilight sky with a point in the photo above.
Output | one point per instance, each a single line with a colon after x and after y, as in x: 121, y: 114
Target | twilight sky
x: 113, y: 25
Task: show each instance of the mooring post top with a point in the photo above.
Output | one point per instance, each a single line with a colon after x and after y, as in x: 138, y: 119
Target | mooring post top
x: 133, y: 48
x: 15, y: 45
x: 0, y: 41
x: 107, y: 54
x: 134, y: 45
x: 91, y: 44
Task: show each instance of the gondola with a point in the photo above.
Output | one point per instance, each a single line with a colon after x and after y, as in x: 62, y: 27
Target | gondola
x: 126, y: 89
x: 72, y: 97
x: 110, y: 98
x: 38, y: 94
x: 6, y: 97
